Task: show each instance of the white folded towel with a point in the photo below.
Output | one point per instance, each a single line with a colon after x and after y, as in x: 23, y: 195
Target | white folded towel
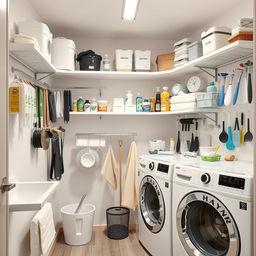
x: 190, y: 97
x: 42, y: 231
x: 183, y: 106
x: 130, y: 193
x: 110, y: 168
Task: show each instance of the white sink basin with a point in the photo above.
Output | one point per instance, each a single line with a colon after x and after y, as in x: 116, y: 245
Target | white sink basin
x: 31, y: 196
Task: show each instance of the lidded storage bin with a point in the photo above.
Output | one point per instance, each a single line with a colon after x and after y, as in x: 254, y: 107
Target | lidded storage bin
x: 195, y: 50
x: 142, y: 60
x: 40, y: 32
x: 88, y: 60
x: 124, y: 60
x: 215, y: 38
x: 63, y: 53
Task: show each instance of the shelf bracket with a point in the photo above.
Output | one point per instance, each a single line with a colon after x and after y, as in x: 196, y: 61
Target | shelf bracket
x: 215, y: 119
x: 41, y: 78
x: 204, y: 69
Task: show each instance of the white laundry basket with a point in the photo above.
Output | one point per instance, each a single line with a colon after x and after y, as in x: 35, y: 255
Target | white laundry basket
x: 77, y: 227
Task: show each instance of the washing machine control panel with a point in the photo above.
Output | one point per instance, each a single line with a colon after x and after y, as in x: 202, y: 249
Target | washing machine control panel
x: 206, y: 178
x: 151, y: 166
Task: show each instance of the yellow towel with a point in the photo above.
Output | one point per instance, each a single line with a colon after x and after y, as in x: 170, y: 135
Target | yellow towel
x: 130, y: 193
x: 110, y: 168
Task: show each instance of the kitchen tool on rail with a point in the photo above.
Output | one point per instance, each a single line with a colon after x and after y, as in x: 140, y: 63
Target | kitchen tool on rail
x: 230, y: 144
x: 242, y: 129
x: 248, y: 136
x: 178, y: 143
x: 228, y: 96
x: 223, y: 137
x: 222, y: 89
x: 248, y: 66
x: 236, y: 133
x: 237, y: 88
x: 197, y: 144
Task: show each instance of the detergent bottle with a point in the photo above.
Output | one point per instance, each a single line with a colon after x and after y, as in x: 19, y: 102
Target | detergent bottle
x: 165, y: 103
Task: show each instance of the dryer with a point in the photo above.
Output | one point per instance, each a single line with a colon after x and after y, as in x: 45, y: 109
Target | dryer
x: 155, y: 193
x: 212, y: 210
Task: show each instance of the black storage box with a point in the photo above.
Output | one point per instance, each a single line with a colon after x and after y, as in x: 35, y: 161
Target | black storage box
x: 88, y: 60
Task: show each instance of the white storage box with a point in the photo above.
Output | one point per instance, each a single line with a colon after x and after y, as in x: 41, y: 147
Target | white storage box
x: 124, y: 60
x: 215, y: 38
x: 142, y: 60
x: 195, y: 50
x: 41, y: 32
x: 183, y: 42
x: 63, y: 53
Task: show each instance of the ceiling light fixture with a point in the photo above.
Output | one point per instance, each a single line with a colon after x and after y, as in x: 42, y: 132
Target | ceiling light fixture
x: 130, y: 8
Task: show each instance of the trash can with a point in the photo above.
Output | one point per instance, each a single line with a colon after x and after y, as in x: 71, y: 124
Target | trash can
x: 77, y: 227
x: 118, y: 222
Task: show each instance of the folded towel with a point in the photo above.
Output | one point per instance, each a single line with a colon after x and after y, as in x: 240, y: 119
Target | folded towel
x: 110, y: 168
x: 130, y: 193
x: 23, y: 39
x: 190, y: 97
x: 181, y: 106
x: 42, y: 231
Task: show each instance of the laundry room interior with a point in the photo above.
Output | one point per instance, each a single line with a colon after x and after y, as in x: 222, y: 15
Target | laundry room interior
x: 130, y: 127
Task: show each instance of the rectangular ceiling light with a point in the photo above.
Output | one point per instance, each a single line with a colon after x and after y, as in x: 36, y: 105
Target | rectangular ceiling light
x: 130, y: 8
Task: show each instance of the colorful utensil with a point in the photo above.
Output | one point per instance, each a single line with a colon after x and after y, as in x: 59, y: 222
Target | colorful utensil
x: 237, y: 86
x: 236, y: 134
x: 242, y: 129
x: 223, y: 137
x: 248, y: 136
x: 230, y: 144
x: 228, y: 96
x: 222, y: 89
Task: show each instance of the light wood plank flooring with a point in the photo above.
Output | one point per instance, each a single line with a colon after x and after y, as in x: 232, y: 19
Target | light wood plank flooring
x: 101, y: 245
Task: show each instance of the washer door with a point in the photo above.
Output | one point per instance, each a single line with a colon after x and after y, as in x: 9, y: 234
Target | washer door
x: 206, y: 227
x: 152, y: 204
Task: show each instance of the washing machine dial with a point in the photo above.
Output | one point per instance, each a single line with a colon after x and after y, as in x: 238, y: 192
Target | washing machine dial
x: 151, y: 166
x: 206, y: 178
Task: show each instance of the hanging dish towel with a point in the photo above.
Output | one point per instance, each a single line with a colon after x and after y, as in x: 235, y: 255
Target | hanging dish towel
x: 130, y: 193
x: 52, y: 107
x: 42, y: 231
x: 110, y: 168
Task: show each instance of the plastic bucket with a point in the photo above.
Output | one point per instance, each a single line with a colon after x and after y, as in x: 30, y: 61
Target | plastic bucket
x: 77, y: 227
x: 118, y: 222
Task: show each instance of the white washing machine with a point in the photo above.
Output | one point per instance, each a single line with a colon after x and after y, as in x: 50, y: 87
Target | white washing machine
x: 155, y: 194
x: 212, y: 210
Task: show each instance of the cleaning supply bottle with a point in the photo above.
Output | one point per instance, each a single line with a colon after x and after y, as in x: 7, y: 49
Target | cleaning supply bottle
x: 87, y: 106
x: 172, y: 145
x: 152, y: 103
x: 139, y: 102
x: 94, y: 106
x: 80, y: 104
x: 146, y: 106
x: 165, y: 103
x: 74, y: 107
x: 106, y: 63
x: 158, y: 100
x: 128, y: 98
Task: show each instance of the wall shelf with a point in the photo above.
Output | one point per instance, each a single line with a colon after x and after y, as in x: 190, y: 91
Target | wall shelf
x: 223, y: 56
x: 31, y: 57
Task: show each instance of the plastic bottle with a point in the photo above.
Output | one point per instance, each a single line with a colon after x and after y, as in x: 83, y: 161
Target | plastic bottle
x: 74, y: 106
x: 158, y: 100
x: 128, y: 98
x: 87, y: 106
x: 152, y: 103
x: 172, y: 145
x: 80, y: 104
x: 146, y: 106
x: 106, y: 63
x: 94, y: 106
x: 139, y: 102
x: 165, y: 103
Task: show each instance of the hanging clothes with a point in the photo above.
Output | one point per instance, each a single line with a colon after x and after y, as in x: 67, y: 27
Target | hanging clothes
x: 59, y: 104
x: 110, y: 168
x: 67, y: 98
x: 52, y: 107
x: 57, y: 164
x: 130, y: 193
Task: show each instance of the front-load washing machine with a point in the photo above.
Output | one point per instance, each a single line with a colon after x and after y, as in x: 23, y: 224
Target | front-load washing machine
x: 155, y: 193
x: 212, y: 210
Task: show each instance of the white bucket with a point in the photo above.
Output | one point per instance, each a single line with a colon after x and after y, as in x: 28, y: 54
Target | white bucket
x: 77, y: 227
x: 41, y: 32
x: 63, y: 53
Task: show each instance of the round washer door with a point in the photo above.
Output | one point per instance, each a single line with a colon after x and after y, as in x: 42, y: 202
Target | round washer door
x: 206, y: 227
x: 152, y: 204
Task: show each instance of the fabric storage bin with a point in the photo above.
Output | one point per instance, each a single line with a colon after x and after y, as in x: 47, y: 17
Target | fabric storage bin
x: 124, y: 60
x: 195, y: 50
x: 88, y: 60
x: 165, y: 61
x: 207, y: 100
x: 142, y: 60
x: 41, y: 33
x: 63, y: 53
x: 215, y: 38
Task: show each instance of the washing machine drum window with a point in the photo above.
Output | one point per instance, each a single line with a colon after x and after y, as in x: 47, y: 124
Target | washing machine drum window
x: 152, y: 204
x: 205, y: 226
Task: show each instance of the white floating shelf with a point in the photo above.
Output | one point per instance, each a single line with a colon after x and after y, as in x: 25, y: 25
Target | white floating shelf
x: 31, y: 57
x: 186, y: 111
x: 223, y: 56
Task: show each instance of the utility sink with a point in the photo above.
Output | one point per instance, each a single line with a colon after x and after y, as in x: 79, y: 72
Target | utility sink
x: 31, y: 196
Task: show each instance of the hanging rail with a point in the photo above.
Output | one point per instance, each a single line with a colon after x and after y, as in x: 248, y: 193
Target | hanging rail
x: 106, y: 134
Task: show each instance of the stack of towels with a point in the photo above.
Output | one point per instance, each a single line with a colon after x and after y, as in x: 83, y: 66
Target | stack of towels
x: 184, y: 101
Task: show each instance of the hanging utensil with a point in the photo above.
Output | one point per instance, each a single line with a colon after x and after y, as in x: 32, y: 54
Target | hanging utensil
x: 242, y: 129
x: 197, y: 144
x: 178, y: 143
x: 236, y: 134
x: 230, y: 144
x: 248, y: 136
x: 237, y: 85
x: 223, y: 137
x: 188, y: 136
x: 228, y: 96
x: 248, y: 65
x: 183, y: 145
x: 222, y: 89
x: 192, y: 143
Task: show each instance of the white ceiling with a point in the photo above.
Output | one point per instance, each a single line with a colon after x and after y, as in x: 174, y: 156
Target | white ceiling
x: 161, y: 19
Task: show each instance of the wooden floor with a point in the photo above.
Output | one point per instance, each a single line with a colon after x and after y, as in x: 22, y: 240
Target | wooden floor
x: 101, y: 245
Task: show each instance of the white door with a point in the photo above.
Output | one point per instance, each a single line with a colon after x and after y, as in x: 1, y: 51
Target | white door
x: 3, y: 122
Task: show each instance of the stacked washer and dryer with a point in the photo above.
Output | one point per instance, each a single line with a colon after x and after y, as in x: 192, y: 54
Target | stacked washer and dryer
x: 195, y: 209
